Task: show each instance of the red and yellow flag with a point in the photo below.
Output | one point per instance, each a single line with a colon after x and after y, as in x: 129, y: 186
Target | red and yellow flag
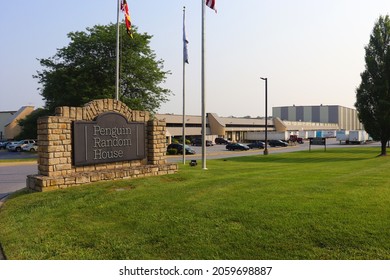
x: 125, y: 10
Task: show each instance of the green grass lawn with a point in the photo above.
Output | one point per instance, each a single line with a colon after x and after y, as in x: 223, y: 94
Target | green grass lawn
x: 302, y: 205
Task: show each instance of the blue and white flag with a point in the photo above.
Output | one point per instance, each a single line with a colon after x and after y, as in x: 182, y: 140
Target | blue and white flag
x: 185, y: 41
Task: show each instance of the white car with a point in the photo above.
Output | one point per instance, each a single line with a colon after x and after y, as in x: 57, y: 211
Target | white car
x: 32, y: 147
x: 9, y: 144
x: 18, y: 146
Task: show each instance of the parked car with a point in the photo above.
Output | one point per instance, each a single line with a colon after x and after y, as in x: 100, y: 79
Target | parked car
x: 296, y: 139
x: 179, y: 148
x: 198, y: 142
x: 237, y: 146
x: 7, y: 144
x: 3, y: 144
x: 256, y: 145
x: 32, y: 147
x: 277, y: 143
x: 222, y: 141
x: 18, y: 146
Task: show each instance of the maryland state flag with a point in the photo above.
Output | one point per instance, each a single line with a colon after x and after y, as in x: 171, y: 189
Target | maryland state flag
x: 211, y: 4
x: 125, y: 10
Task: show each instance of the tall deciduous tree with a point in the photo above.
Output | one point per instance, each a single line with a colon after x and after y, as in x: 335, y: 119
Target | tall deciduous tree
x: 85, y: 70
x: 373, y: 94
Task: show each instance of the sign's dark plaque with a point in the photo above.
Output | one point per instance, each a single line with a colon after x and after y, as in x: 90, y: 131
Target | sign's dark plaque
x: 110, y: 138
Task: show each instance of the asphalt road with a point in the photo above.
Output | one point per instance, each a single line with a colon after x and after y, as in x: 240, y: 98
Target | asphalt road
x: 4, y: 154
x: 13, y: 177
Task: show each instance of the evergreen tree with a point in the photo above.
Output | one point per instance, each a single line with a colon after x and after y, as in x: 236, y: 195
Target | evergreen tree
x: 373, y: 94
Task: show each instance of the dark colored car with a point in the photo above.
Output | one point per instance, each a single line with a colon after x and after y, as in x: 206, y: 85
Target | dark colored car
x: 3, y: 145
x: 295, y: 139
x: 179, y: 148
x: 198, y: 142
x: 237, y: 146
x: 277, y: 143
x: 221, y: 141
x: 256, y: 145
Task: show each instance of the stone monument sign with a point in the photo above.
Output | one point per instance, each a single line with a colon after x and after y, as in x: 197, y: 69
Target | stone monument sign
x: 104, y: 140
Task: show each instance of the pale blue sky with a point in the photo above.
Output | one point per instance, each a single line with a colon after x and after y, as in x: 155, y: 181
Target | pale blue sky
x: 311, y: 51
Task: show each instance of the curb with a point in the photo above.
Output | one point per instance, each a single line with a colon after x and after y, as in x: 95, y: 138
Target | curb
x: 14, y: 163
x: 2, y: 255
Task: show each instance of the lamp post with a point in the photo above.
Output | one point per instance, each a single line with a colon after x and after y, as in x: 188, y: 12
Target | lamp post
x: 266, y: 115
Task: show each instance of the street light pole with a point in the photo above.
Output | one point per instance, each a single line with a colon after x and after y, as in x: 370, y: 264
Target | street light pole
x: 266, y: 115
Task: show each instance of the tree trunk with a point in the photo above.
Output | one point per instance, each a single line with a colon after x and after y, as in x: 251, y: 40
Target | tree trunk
x: 383, y: 148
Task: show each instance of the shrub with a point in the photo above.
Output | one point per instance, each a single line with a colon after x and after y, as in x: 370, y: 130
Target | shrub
x: 172, y: 152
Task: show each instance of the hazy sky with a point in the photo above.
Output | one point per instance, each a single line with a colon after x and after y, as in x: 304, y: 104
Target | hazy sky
x: 311, y: 51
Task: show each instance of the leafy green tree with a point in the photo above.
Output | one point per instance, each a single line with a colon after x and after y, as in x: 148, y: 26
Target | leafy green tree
x: 86, y: 70
x: 373, y: 94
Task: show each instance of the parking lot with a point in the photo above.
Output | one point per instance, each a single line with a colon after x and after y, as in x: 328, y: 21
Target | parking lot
x: 219, y: 151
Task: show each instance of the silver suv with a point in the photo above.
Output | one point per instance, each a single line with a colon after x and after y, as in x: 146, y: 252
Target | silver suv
x: 18, y: 146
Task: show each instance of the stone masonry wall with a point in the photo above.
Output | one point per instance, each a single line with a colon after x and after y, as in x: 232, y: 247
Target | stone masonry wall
x: 55, y: 169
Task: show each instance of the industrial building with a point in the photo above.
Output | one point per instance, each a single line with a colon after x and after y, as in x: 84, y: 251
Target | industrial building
x: 346, y: 118
x: 9, y: 122
x: 236, y: 129
x: 297, y: 120
x: 5, y: 116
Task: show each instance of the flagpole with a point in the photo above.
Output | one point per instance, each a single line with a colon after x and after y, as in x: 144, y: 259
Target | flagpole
x: 203, y: 89
x: 117, y: 53
x: 184, y: 88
